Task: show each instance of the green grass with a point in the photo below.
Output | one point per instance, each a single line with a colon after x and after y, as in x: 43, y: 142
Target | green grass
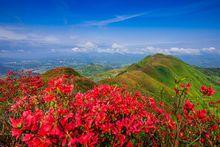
x: 92, y: 69
x: 107, y: 74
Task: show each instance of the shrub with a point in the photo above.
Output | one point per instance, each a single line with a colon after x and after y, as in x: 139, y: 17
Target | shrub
x: 53, y: 113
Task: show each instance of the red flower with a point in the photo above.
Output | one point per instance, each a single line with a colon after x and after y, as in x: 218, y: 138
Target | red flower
x: 188, y: 105
x: 16, y: 123
x: 177, y: 91
x: 16, y: 127
x: 202, y: 114
x: 49, y: 98
x: 66, y: 89
x: 185, y: 86
x: 2, y: 99
x: 214, y: 127
x: 105, y: 115
x: 207, y: 91
x: 27, y: 137
x: 188, y: 86
x: 202, y: 140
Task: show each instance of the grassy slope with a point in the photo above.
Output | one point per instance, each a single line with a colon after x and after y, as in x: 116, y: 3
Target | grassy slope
x: 154, y: 73
x: 91, y: 69
x: 107, y: 74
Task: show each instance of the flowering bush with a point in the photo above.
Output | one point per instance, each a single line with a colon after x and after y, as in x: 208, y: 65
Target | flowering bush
x: 48, y: 114
x: 104, y: 115
x: 12, y: 87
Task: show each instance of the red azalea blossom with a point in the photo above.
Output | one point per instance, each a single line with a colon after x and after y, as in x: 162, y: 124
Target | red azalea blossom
x: 105, y: 109
x: 182, y: 87
x: 49, y: 98
x: 188, y: 105
x: 207, y: 91
x: 202, y: 114
x: 214, y: 127
x: 187, y: 86
x: 53, y: 114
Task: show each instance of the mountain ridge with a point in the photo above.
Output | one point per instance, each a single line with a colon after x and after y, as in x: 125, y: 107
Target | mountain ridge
x: 160, y: 71
x: 154, y: 75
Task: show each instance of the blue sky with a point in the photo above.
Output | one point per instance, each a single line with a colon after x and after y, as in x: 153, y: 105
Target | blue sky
x: 124, y: 26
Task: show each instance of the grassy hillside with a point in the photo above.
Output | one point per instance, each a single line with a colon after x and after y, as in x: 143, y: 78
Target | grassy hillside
x: 81, y: 83
x: 107, y: 74
x: 156, y: 74
x: 212, y: 73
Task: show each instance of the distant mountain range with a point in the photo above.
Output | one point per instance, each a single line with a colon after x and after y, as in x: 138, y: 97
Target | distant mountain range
x: 107, y: 60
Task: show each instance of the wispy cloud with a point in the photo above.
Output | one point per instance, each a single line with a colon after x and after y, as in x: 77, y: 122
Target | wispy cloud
x: 113, y: 20
x: 165, y: 12
x: 6, y: 34
x: 19, y: 35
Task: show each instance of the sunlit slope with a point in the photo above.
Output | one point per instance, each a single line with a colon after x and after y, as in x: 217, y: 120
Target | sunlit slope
x: 107, y: 74
x: 156, y: 74
x: 81, y: 83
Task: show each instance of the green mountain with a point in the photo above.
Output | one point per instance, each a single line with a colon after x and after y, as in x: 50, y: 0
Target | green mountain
x: 155, y: 76
x: 81, y: 83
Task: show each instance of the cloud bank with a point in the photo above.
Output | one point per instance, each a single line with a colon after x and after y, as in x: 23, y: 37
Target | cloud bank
x: 19, y: 40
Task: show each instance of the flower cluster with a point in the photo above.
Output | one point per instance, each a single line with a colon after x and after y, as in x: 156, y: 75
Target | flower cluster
x: 181, y: 88
x: 201, y: 126
x: 104, y: 115
x: 207, y: 91
x: 54, y: 114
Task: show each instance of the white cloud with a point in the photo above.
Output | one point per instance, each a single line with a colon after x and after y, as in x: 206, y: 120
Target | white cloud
x: 76, y: 49
x: 122, y: 49
x: 183, y: 51
x: 70, y: 42
x: 17, y: 34
x: 6, y: 34
x: 89, y: 45
x: 171, y: 51
x: 85, y: 47
x: 116, y: 46
x: 111, y: 50
x: 176, y: 50
x: 210, y: 49
x: 81, y: 50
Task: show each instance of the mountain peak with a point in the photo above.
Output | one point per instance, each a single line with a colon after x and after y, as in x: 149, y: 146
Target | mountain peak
x: 55, y: 72
x: 80, y: 83
x: 159, y: 71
